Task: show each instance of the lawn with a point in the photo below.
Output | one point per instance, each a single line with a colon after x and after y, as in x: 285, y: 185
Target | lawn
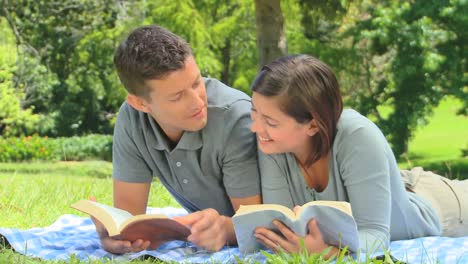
x: 438, y: 145
x: 28, y: 191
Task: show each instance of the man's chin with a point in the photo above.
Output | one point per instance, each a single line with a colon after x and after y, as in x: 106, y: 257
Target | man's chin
x: 197, y: 127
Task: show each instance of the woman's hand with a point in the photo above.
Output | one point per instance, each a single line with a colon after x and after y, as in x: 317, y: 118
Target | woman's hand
x: 290, y: 242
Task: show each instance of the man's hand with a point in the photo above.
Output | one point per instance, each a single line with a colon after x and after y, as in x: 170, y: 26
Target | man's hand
x: 117, y: 246
x: 209, y: 229
x: 290, y: 241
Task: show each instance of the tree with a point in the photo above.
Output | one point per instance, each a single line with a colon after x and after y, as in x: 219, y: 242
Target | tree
x: 15, y: 118
x: 73, y: 42
x: 421, y: 47
x: 221, y: 34
x: 14, y: 121
x: 271, y: 37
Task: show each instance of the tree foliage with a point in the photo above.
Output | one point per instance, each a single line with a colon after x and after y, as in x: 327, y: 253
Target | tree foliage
x: 222, y: 35
x: 419, y: 56
x: 15, y: 119
x: 395, y: 60
x: 69, y: 40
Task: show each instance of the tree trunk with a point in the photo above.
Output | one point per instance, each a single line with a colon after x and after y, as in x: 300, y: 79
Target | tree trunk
x: 226, y: 53
x: 271, y: 38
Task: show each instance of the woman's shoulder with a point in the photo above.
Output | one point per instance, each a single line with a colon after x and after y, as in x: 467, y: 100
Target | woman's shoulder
x: 351, y: 120
x: 355, y: 128
x: 281, y: 160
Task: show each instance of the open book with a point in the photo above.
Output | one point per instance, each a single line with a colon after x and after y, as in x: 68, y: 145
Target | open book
x: 334, y: 219
x: 120, y: 224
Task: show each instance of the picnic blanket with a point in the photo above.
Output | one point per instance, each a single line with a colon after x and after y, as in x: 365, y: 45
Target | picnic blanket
x: 75, y: 236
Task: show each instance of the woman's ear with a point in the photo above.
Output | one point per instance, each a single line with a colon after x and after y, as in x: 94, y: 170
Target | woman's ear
x: 138, y: 103
x: 313, y: 128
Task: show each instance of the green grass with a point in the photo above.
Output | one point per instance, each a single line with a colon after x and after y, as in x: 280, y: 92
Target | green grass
x: 36, y: 194
x: 438, y: 145
x: 444, y: 137
x: 28, y: 191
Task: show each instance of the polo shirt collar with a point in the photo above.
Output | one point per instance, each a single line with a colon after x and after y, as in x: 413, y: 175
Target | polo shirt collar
x: 189, y: 141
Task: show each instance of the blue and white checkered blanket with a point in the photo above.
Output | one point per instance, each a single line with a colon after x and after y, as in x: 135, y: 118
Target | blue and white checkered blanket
x: 73, y: 235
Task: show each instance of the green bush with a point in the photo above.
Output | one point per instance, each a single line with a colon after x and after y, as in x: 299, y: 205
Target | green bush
x: 27, y: 149
x: 32, y: 148
x: 85, y: 148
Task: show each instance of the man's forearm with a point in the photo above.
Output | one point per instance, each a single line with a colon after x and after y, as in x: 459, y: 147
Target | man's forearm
x: 230, y: 233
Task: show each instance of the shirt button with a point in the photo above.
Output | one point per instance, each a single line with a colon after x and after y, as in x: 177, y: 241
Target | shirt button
x: 185, y: 181
x: 178, y: 164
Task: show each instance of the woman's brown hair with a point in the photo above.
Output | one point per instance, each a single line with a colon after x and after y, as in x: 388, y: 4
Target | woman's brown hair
x: 306, y: 88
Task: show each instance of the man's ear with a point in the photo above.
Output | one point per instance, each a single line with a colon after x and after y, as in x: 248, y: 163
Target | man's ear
x: 138, y: 103
x: 313, y: 128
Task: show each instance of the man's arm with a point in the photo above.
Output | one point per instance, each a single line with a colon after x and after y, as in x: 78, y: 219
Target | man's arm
x: 132, y: 197
x: 236, y: 203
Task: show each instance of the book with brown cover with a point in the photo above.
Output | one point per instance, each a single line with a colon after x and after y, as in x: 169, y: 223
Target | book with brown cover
x: 120, y: 224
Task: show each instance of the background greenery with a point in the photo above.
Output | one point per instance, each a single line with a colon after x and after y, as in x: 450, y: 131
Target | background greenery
x: 401, y: 63
x: 57, y: 77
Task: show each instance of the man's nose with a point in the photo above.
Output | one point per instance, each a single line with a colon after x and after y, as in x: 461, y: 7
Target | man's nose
x: 197, y: 99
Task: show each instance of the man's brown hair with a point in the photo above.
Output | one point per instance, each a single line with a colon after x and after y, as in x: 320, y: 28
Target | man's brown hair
x: 148, y: 53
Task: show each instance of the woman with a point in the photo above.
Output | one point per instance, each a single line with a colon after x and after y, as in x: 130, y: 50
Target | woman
x: 315, y: 150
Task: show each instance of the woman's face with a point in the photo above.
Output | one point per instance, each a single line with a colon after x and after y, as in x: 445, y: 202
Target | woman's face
x: 276, y: 131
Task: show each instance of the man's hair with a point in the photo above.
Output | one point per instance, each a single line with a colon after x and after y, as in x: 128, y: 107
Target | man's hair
x: 306, y: 88
x: 149, y: 53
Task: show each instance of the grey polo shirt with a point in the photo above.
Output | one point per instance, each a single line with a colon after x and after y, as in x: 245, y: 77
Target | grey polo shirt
x: 206, y: 167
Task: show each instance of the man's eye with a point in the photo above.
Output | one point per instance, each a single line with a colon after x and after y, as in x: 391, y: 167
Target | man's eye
x: 271, y: 124
x: 176, y: 98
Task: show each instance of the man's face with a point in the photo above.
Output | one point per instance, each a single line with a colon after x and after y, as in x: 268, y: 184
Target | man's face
x: 178, y: 101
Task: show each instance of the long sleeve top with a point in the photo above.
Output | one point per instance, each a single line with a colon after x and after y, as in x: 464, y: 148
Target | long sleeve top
x: 362, y: 171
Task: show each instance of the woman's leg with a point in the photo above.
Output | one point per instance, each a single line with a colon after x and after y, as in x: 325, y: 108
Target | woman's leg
x: 448, y: 197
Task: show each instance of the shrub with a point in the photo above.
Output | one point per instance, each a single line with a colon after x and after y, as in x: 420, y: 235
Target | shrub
x: 32, y: 148
x: 85, y: 148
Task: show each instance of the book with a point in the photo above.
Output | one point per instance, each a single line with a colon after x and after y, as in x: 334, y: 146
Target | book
x: 120, y: 224
x: 334, y: 218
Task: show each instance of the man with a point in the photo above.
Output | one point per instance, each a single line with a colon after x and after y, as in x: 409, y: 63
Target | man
x: 190, y: 132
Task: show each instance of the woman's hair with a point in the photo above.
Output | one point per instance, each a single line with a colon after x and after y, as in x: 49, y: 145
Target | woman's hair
x: 148, y: 53
x: 306, y: 88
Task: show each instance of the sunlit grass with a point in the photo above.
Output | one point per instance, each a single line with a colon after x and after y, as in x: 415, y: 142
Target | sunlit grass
x: 444, y: 137
x: 29, y: 191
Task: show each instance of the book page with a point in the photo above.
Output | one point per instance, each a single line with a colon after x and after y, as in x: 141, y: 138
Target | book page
x: 343, y: 206
x: 246, y: 209
x: 118, y: 215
